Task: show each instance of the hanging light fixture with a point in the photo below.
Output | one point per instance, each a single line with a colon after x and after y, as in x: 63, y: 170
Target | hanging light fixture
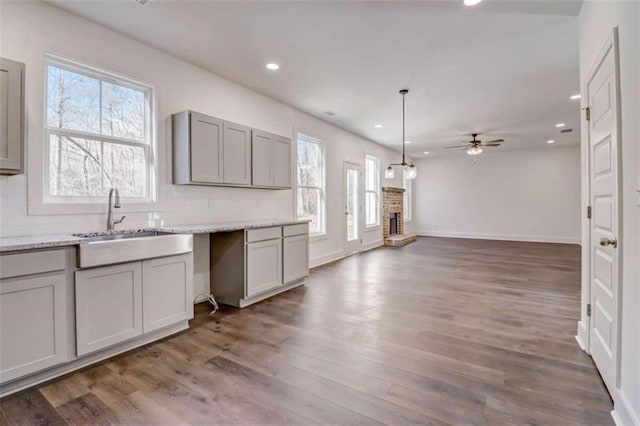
x: 409, y: 168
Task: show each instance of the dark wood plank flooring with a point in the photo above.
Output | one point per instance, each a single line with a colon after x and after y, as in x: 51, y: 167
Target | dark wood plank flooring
x: 443, y: 331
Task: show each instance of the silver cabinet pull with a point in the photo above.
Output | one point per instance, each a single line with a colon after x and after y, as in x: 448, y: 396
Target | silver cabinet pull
x: 604, y: 241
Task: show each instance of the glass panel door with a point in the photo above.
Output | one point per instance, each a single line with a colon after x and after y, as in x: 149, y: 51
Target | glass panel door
x: 352, y: 208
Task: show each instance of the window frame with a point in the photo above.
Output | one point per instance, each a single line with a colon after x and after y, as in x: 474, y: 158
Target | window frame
x: 322, y: 216
x: 147, y: 142
x: 407, y: 185
x: 377, y: 191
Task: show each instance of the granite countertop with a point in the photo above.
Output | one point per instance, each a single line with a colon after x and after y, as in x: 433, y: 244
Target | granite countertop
x: 206, y: 228
x: 9, y: 244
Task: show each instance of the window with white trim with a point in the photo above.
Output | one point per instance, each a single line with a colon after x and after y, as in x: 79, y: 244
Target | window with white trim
x: 406, y: 196
x: 372, y: 191
x: 311, y: 183
x: 98, y: 135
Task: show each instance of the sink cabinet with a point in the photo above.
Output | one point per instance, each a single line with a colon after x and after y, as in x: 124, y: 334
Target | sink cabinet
x: 118, y: 303
x: 252, y: 265
x: 34, y: 315
x: 108, y: 306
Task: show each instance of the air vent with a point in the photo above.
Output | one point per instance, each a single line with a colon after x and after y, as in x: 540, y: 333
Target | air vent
x: 566, y: 131
x: 141, y: 2
x: 330, y: 113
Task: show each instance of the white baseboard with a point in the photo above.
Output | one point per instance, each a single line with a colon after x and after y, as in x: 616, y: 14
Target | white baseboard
x: 372, y: 244
x: 339, y: 254
x: 501, y: 237
x: 623, y: 414
x: 326, y: 258
x: 581, y: 337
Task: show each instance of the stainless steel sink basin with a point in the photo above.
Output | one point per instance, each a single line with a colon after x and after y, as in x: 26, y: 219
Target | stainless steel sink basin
x: 126, y: 246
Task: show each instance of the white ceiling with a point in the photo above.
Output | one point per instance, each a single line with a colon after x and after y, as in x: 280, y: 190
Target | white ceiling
x: 503, y: 68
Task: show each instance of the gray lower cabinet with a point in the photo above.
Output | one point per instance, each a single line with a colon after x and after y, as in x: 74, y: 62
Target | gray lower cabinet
x: 34, y: 317
x: 251, y: 265
x: 264, y: 266
x: 117, y: 303
x: 295, y: 258
x: 11, y: 117
x: 108, y: 306
x: 167, y: 291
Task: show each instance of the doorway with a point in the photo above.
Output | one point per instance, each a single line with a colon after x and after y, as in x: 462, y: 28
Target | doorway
x: 352, y: 208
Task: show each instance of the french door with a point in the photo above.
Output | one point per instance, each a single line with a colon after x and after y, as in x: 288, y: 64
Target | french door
x: 352, y: 208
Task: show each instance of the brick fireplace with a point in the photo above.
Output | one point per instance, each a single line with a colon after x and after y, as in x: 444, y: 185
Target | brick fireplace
x: 393, y: 218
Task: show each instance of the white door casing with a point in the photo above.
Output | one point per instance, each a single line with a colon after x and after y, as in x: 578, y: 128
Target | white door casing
x: 353, y: 209
x: 604, y: 229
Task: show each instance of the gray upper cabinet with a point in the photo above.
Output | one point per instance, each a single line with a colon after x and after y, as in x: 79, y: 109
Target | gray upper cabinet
x: 281, y: 162
x: 262, y: 159
x: 11, y: 117
x: 237, y: 154
x: 271, y: 162
x: 211, y: 151
x: 197, y: 149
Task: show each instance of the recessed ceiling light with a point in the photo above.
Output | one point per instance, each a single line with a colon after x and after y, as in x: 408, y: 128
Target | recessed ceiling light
x: 560, y: 125
x: 471, y: 2
x: 272, y: 66
x: 377, y: 126
x: 426, y: 153
x: 407, y: 141
x: 574, y: 97
x: 551, y: 141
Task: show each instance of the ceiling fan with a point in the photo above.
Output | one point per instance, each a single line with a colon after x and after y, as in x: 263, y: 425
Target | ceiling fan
x: 474, y: 147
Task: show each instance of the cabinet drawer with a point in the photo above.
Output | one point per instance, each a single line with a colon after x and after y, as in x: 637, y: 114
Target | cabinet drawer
x: 263, y: 234
x: 15, y: 265
x: 291, y: 230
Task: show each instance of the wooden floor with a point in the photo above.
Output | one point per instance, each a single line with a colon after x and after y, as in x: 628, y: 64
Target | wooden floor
x: 443, y: 331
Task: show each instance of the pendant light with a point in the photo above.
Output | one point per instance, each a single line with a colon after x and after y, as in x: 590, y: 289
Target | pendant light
x: 409, y: 168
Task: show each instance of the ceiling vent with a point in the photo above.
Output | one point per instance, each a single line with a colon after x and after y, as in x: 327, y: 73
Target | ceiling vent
x: 141, y: 2
x: 330, y: 113
x: 566, y: 130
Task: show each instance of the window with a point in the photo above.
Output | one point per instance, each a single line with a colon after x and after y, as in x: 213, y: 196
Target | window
x: 406, y: 196
x: 98, y: 135
x: 311, y: 197
x: 372, y: 191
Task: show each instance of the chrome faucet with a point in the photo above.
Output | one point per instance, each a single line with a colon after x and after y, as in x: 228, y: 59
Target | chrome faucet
x: 110, y: 221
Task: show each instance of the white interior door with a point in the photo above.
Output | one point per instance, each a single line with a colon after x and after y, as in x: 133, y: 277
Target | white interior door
x: 604, y: 247
x: 352, y: 208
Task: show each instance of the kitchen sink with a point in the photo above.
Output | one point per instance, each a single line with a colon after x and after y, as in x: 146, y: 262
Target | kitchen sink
x: 109, y: 248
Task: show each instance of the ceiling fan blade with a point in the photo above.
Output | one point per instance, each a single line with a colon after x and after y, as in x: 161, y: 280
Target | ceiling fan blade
x: 457, y: 146
x: 494, y: 141
x: 491, y: 144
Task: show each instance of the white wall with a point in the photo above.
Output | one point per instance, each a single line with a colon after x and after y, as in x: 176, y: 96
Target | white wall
x: 528, y: 195
x: 596, y: 22
x: 29, y: 29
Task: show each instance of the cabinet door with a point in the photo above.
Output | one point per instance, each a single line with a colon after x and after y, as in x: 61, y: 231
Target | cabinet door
x: 206, y: 149
x: 108, y: 306
x: 264, y: 266
x: 261, y: 159
x: 295, y: 255
x: 11, y: 116
x: 167, y: 291
x: 237, y: 154
x: 282, y: 162
x: 33, y: 321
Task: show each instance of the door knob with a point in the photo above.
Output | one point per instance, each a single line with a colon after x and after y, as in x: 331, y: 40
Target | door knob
x: 604, y: 241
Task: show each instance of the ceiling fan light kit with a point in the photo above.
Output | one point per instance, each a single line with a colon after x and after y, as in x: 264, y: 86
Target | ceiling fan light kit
x: 409, y: 168
x: 475, y: 146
